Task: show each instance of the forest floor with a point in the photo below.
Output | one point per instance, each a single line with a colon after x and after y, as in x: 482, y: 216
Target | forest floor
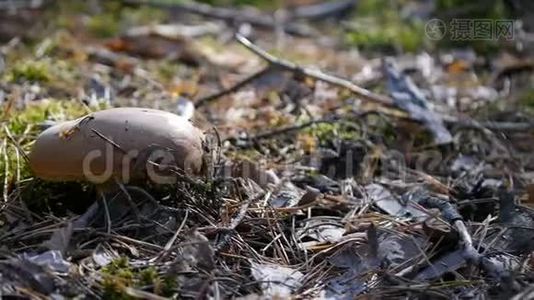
x: 358, y: 151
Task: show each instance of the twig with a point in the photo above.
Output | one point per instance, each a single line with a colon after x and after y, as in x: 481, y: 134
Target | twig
x: 163, y: 253
x: 323, y: 10
x: 175, y: 236
x: 108, y: 140
x: 490, y: 125
x: 364, y: 93
x: 316, y: 74
x: 469, y: 253
x: 205, y: 100
x: 131, y: 240
x: 230, y: 15
x: 229, y: 230
x: 129, y: 199
x: 107, y: 216
x: 241, y: 214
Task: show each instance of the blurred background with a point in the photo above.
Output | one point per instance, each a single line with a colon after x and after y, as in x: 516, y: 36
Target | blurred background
x: 363, y: 112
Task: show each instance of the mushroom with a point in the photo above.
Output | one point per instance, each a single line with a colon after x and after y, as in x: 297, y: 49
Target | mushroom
x: 114, y: 146
x: 118, y: 144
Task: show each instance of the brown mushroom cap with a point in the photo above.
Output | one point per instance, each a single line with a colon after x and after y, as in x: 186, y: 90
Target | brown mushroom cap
x: 117, y: 143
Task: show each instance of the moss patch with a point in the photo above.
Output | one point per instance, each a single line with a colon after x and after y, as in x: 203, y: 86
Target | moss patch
x: 30, y: 70
x: 119, y: 274
x: 526, y: 99
x: 23, y: 125
x: 379, y: 26
x: 104, y: 25
x: 325, y: 132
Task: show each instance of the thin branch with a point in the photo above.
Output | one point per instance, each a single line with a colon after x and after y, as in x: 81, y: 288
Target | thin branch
x: 316, y: 74
x: 323, y: 10
x: 491, y: 125
x: 205, y: 100
x: 230, y: 15
x: 105, y: 138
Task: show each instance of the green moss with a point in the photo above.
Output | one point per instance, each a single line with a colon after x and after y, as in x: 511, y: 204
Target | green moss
x: 379, y: 26
x: 116, y: 16
x: 103, y: 25
x: 23, y: 127
x: 248, y: 153
x: 526, y: 99
x: 61, y: 12
x: 120, y: 268
x: 30, y: 70
x: 143, y: 15
x: 120, y: 274
x: 407, y: 37
x: 115, y: 277
x: 148, y: 276
x: 381, y: 128
x: 325, y: 132
x: 52, y: 74
x: 32, y: 115
x: 167, y: 70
